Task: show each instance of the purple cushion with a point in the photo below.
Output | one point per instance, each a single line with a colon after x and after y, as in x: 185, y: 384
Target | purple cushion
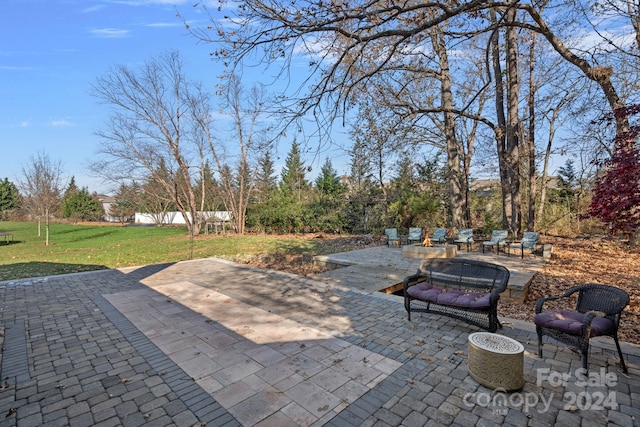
x: 427, y: 292
x: 571, y: 322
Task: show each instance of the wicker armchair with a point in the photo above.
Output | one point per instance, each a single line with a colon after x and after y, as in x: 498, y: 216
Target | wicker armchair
x: 597, y: 313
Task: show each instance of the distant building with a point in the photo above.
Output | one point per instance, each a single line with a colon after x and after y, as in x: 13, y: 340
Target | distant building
x: 107, y: 203
x: 216, y: 220
x: 485, y: 187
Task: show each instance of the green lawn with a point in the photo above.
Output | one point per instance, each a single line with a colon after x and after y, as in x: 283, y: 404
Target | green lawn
x: 75, y: 248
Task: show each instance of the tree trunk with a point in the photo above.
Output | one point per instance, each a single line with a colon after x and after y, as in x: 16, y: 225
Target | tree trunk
x: 500, y: 130
x: 46, y: 226
x: 513, y: 126
x: 453, y: 155
x: 545, y: 168
x: 531, y: 139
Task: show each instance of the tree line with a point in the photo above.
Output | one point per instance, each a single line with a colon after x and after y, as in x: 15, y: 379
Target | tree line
x: 432, y: 94
x: 290, y: 202
x: 163, y: 143
x: 488, y: 83
x: 40, y: 195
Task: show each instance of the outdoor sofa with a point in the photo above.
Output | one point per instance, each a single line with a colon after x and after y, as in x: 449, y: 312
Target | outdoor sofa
x: 464, y: 289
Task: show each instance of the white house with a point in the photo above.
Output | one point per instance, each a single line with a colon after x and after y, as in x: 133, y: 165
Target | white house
x: 214, y: 218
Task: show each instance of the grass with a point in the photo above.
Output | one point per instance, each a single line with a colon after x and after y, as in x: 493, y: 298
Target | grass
x: 76, y: 248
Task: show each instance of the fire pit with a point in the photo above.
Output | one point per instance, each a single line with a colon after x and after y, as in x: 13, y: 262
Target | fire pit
x: 437, y: 251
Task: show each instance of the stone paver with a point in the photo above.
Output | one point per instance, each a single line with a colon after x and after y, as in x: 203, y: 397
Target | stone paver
x: 214, y: 343
x: 271, y: 344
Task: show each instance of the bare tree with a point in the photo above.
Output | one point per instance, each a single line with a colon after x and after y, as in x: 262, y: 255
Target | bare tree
x: 150, y: 132
x: 42, y: 186
x: 595, y: 61
x: 373, y: 133
x: 348, y: 44
x: 238, y: 182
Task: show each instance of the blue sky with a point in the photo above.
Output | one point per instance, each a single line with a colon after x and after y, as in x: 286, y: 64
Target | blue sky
x: 52, y: 51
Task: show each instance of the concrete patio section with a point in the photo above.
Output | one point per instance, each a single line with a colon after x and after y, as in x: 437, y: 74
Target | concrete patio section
x: 215, y: 343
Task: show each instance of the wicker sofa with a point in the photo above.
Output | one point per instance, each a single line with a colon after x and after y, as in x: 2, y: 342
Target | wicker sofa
x: 464, y: 289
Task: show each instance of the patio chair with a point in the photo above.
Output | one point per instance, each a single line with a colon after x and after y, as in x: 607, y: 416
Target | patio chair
x: 392, y: 236
x: 498, y: 237
x: 439, y: 235
x: 597, y: 313
x: 415, y: 235
x: 529, y: 241
x: 465, y: 236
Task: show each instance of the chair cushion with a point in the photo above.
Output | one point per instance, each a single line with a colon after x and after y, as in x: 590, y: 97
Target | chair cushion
x: 427, y: 292
x: 570, y: 322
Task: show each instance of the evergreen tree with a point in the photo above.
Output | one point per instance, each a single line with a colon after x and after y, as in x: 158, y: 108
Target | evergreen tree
x: 288, y: 207
x: 206, y: 182
x: 266, y: 180
x: 71, y: 188
x: 328, y: 208
x: 566, y: 192
x: 293, y: 173
x: 363, y: 212
x: 416, y: 197
x: 82, y: 206
x: 568, y: 175
x: 9, y: 197
x: 155, y: 199
x: 126, y: 202
x: 328, y: 182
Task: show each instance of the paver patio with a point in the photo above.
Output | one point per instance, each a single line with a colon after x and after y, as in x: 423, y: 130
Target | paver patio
x: 211, y: 342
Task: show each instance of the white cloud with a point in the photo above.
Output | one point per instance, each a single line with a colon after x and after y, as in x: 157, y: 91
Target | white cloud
x: 60, y: 123
x: 149, y: 2
x: 165, y: 24
x: 12, y: 68
x: 95, y: 8
x: 109, y: 33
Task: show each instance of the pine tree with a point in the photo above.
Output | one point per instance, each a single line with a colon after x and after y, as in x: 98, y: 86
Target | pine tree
x: 82, y: 206
x: 361, y: 214
x: 328, y: 182
x: 71, y: 188
x: 329, y: 208
x: 206, y: 182
x: 9, y: 196
x: 294, y: 181
x: 266, y: 180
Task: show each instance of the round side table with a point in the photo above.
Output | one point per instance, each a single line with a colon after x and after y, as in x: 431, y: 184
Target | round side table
x: 496, y: 361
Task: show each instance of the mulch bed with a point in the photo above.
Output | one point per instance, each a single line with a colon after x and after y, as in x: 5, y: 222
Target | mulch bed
x: 577, y: 261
